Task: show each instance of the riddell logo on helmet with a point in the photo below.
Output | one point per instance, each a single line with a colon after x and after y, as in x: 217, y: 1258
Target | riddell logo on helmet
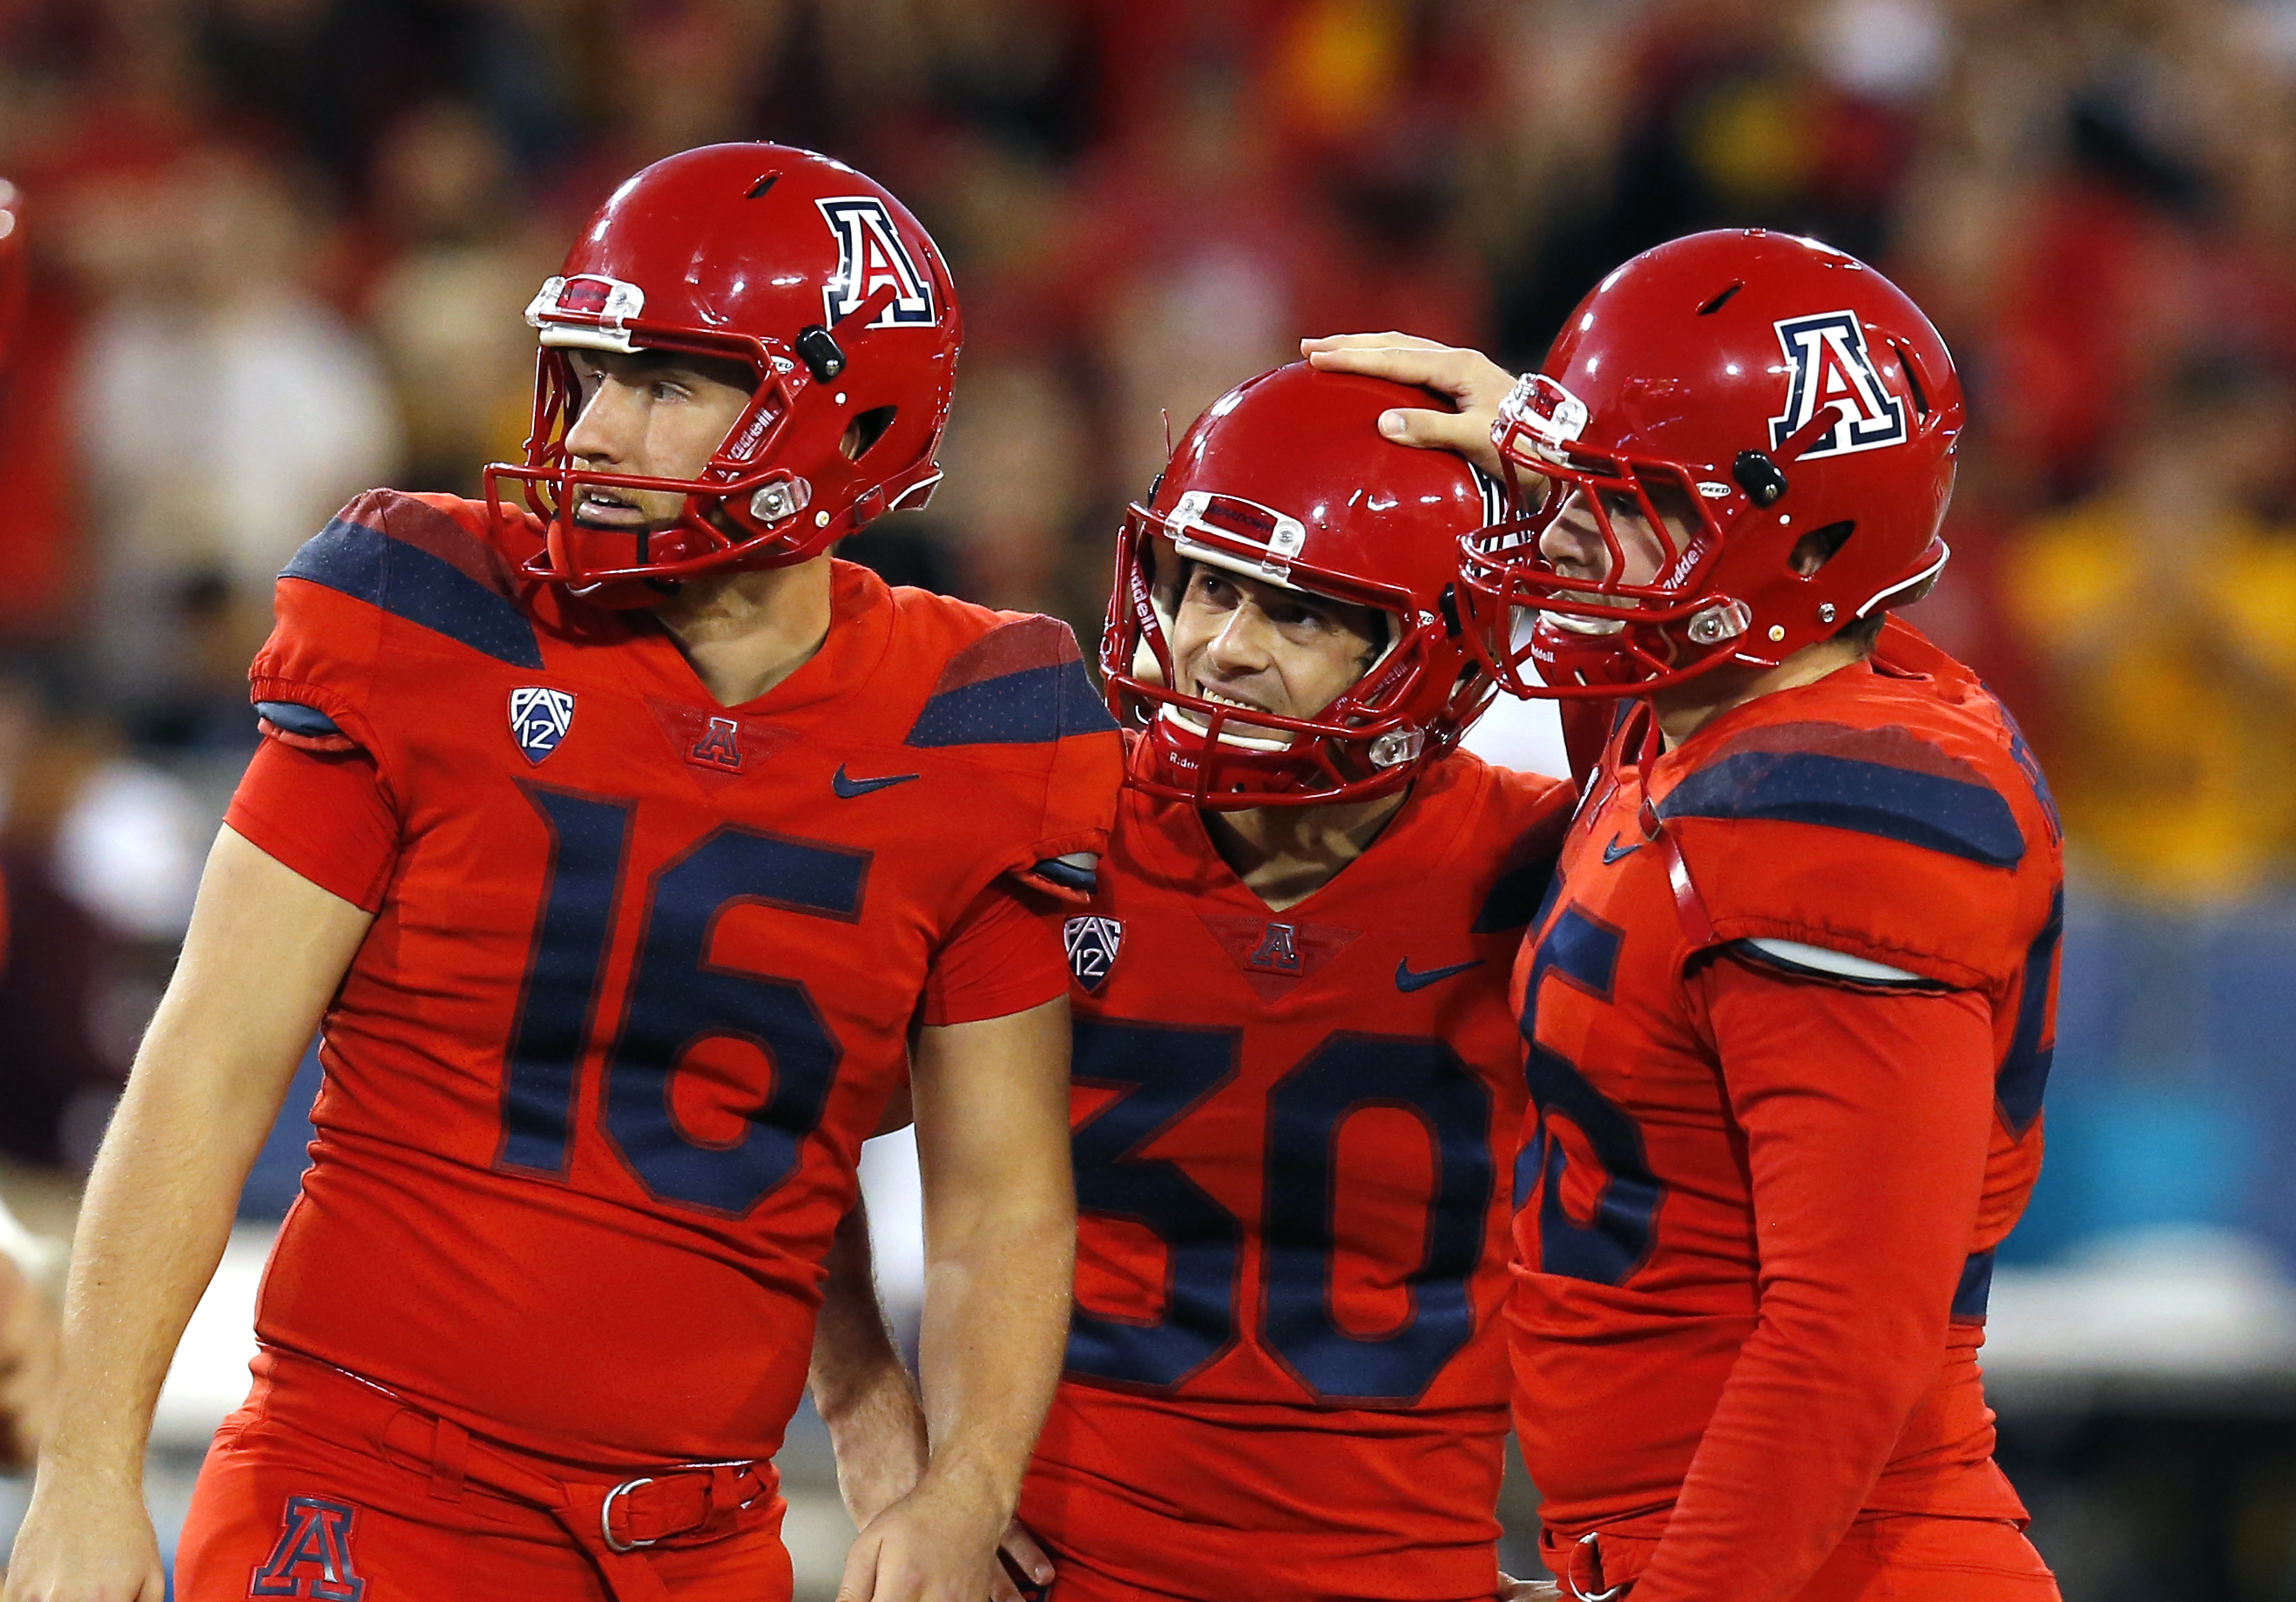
x: 1832, y: 369
x: 870, y: 254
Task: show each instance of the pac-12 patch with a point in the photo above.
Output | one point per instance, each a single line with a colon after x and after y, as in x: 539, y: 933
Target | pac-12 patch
x: 539, y: 719
x: 1093, y: 943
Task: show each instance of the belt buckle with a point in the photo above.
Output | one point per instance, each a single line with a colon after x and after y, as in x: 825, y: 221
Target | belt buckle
x: 606, y: 1517
x: 1570, y: 1577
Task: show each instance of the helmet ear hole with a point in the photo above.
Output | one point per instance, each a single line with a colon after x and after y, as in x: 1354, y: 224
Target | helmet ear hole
x: 866, y: 429
x: 1819, y: 547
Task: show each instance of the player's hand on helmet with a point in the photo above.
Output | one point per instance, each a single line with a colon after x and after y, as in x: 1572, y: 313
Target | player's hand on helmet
x: 85, y: 1544
x: 1020, y: 1556
x: 1475, y: 383
x: 1512, y: 1589
x: 937, y: 1544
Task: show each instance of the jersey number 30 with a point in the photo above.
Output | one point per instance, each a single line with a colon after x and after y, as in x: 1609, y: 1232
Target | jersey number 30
x: 1165, y: 1072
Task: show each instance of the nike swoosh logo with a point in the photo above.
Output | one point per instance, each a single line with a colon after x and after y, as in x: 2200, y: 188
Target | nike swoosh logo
x: 847, y: 788
x: 1614, y: 851
x: 1406, y: 980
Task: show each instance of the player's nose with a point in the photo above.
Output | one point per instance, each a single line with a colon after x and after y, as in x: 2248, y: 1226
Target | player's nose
x: 1572, y: 540
x: 609, y: 426
x: 1240, y: 647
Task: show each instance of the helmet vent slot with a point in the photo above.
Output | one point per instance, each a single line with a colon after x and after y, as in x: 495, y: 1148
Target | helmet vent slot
x: 1719, y: 301
x: 1819, y: 547
x: 866, y: 429
x: 758, y: 190
x: 1912, y: 379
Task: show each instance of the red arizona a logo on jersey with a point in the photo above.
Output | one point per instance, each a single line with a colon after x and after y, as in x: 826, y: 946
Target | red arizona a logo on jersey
x: 720, y: 745
x: 313, y: 1558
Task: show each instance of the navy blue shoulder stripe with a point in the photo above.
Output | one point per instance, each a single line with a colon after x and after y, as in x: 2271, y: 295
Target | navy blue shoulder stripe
x: 1939, y: 814
x: 409, y: 582
x: 1031, y: 707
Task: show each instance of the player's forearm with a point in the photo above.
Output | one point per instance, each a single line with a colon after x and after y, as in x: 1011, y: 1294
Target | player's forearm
x: 157, y: 1211
x: 266, y: 949
x: 860, y: 1388
x: 1805, y: 1425
x: 996, y: 1323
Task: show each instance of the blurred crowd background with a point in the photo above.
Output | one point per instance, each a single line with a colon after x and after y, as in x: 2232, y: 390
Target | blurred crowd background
x: 281, y: 248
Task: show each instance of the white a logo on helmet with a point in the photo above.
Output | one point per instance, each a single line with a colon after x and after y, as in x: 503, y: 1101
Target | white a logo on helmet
x: 1833, y: 371
x: 870, y: 254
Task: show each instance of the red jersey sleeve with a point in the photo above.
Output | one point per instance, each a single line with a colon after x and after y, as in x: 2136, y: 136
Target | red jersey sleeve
x: 1004, y: 955
x: 322, y: 813
x: 1866, y: 1115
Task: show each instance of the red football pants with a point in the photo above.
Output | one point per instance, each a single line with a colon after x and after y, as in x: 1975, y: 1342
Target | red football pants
x: 1889, y: 1559
x: 325, y: 1487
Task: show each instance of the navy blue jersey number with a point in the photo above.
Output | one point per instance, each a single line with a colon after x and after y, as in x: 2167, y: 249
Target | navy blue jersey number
x: 1584, y: 953
x: 1162, y: 1075
x: 678, y: 999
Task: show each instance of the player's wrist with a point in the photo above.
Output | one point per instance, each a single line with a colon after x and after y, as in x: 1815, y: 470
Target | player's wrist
x: 974, y: 1483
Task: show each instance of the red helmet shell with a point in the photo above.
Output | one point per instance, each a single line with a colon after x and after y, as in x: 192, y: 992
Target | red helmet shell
x: 1763, y: 388
x: 816, y: 277
x: 1286, y: 479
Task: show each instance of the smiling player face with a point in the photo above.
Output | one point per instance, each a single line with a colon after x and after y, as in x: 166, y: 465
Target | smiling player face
x: 652, y: 413
x: 1260, y: 647
x: 1573, y: 542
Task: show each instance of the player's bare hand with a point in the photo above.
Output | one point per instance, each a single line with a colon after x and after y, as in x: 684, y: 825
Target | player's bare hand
x: 1022, y: 1561
x: 1475, y: 383
x: 1512, y: 1589
x: 937, y: 1544
x: 78, y: 1546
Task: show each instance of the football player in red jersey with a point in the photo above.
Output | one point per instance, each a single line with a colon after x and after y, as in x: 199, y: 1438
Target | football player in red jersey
x: 631, y: 854
x: 1296, y: 1083
x: 1789, y: 1009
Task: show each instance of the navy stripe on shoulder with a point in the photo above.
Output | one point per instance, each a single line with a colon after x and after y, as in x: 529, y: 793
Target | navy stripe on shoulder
x: 1031, y: 707
x: 1961, y: 819
x: 411, y: 583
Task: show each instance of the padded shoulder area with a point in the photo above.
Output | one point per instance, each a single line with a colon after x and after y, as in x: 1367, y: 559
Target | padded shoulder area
x: 427, y: 559
x: 1019, y: 681
x: 1920, y: 845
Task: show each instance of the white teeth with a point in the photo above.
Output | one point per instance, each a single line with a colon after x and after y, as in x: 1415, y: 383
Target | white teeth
x: 1214, y: 696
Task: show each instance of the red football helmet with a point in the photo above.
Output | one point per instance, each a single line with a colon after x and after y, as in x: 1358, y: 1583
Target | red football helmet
x: 1285, y: 480
x: 1763, y: 390
x: 825, y: 285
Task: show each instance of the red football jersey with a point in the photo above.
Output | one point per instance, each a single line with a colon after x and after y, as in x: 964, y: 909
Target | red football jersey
x: 1757, y: 1201
x: 1286, y: 1375
x: 643, y: 973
